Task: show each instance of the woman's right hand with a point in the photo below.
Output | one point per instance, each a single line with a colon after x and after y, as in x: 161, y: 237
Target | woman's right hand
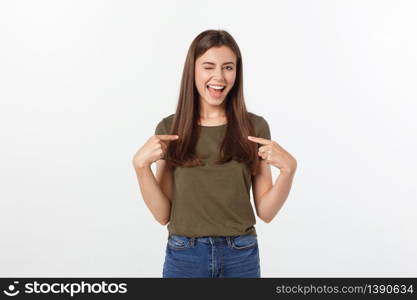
x: 153, y: 150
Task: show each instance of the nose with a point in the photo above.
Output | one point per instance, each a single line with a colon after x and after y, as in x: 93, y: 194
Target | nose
x: 218, y: 74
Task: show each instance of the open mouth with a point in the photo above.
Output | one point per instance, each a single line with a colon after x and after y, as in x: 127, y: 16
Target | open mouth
x: 216, y: 90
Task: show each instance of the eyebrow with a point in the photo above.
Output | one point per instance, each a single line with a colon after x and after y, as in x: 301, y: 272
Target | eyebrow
x: 211, y: 63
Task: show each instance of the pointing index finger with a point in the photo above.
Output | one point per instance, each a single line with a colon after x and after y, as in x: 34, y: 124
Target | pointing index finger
x: 167, y: 137
x: 259, y: 140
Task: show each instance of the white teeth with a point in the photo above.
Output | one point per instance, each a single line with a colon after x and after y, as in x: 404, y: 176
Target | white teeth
x: 217, y: 87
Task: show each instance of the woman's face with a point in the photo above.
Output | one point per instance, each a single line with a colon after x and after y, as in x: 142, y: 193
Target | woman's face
x: 215, y: 68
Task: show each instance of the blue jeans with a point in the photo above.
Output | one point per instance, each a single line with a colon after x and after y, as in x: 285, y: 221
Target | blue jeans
x: 229, y: 256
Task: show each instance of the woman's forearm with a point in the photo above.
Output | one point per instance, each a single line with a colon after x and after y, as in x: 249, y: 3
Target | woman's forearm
x: 272, y: 201
x: 155, y: 199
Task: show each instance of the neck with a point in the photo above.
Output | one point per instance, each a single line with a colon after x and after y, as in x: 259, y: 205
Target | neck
x: 211, y: 112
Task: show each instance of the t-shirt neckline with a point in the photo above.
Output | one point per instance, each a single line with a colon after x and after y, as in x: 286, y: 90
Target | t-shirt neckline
x: 216, y: 126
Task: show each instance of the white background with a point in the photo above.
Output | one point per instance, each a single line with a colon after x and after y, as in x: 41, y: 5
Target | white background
x: 84, y: 83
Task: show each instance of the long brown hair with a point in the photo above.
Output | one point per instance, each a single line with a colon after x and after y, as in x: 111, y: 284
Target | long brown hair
x: 235, y: 145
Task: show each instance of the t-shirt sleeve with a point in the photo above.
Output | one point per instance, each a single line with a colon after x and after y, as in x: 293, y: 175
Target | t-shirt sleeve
x: 161, y: 128
x: 263, y: 129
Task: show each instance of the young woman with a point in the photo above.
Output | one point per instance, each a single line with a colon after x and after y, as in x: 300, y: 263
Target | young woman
x: 209, y: 154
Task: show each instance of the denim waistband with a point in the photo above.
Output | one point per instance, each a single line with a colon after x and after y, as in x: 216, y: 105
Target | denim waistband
x: 213, y: 239
x: 210, y: 240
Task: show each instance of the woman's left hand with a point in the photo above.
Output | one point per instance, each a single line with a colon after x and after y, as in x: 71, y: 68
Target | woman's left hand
x: 275, y: 155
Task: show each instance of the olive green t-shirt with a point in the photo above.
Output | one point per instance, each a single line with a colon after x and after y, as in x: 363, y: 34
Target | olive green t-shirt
x: 212, y: 200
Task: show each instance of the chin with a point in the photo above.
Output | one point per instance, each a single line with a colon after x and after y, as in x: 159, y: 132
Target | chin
x: 215, y: 102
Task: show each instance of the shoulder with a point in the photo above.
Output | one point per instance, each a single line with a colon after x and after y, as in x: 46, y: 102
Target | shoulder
x: 261, y: 125
x: 168, y: 119
x: 164, y: 124
x: 257, y: 119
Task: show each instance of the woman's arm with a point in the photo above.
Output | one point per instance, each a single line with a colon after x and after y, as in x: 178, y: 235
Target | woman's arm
x: 156, y: 190
x: 268, y: 197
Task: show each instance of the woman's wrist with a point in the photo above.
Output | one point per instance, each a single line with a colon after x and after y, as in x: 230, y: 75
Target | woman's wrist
x: 139, y: 164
